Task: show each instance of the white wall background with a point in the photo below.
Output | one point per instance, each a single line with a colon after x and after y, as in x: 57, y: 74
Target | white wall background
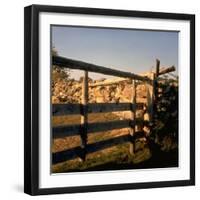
x: 11, y: 98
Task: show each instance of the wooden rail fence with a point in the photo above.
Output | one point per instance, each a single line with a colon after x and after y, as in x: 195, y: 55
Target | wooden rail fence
x: 85, y: 108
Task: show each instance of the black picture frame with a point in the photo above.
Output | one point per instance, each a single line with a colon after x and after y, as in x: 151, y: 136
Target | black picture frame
x: 31, y: 98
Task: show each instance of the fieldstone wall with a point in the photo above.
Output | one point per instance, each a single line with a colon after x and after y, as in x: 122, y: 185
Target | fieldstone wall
x: 70, y: 91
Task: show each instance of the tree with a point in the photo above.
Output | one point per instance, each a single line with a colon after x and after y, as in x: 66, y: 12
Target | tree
x: 166, y: 124
x: 54, y: 52
x: 58, y: 73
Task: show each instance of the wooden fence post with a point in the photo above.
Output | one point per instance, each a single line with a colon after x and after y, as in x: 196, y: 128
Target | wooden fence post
x: 150, y: 96
x: 157, y: 67
x: 155, y: 85
x: 84, y: 114
x: 133, y: 118
x: 156, y: 81
x: 148, y: 116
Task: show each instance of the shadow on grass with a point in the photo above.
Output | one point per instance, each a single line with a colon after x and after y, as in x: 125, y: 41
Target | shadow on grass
x: 159, y: 159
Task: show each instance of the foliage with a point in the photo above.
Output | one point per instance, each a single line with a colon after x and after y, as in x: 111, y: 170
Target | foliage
x: 166, y: 121
x: 58, y: 73
x: 54, y: 52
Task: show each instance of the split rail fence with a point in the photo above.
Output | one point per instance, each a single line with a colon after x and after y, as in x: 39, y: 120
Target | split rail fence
x: 86, y: 108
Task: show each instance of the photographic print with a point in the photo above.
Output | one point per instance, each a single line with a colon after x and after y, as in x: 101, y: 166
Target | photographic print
x: 109, y: 99
x: 105, y: 121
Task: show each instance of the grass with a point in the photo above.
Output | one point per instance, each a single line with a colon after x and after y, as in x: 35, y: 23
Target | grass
x: 117, y: 157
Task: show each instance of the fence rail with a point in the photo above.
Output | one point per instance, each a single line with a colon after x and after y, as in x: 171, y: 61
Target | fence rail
x: 85, y: 108
x: 73, y: 130
x: 75, y: 109
x: 74, y: 64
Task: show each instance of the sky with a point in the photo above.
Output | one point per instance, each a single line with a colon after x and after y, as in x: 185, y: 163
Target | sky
x: 123, y: 49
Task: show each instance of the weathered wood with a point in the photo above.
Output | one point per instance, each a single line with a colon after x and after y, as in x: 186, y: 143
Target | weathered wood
x: 167, y: 70
x: 139, y: 106
x: 157, y: 67
x: 110, y: 82
x: 155, y: 94
x: 173, y: 75
x: 140, y: 122
x: 148, y: 115
x: 66, y: 109
x: 139, y: 135
x: 74, y: 109
x: 108, y: 107
x: 66, y: 131
x: 149, y: 89
x: 155, y: 85
x: 133, y: 117
x: 66, y: 155
x: 75, y: 64
x: 75, y: 152
x: 72, y: 130
x: 84, y: 114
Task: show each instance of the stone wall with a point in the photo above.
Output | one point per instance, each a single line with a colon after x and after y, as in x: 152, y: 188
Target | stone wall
x: 69, y: 91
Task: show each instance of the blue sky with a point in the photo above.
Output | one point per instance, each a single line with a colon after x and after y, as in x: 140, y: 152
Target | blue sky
x: 128, y: 50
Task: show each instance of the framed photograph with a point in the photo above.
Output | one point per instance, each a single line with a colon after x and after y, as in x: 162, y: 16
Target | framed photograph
x: 109, y: 99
